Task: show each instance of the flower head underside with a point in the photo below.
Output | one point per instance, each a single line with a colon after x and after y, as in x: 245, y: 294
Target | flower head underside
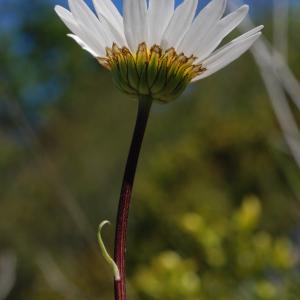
x: 157, y: 50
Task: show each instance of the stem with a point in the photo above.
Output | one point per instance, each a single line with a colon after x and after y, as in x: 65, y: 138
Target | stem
x: 144, y: 107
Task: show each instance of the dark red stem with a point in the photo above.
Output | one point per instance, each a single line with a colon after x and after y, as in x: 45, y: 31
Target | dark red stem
x: 144, y: 108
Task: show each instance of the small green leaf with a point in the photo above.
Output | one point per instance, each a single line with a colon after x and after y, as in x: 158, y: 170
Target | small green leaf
x: 106, y: 255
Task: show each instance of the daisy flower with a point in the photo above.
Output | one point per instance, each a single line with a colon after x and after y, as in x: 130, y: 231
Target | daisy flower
x: 157, y: 50
x: 153, y: 51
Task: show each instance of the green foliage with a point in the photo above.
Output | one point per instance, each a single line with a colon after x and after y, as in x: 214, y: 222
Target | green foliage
x: 234, y: 258
x: 168, y: 277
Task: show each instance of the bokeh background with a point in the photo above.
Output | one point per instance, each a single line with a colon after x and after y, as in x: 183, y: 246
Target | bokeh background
x: 216, y: 205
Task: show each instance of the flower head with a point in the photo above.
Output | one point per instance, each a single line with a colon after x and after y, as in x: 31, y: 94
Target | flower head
x: 158, y: 50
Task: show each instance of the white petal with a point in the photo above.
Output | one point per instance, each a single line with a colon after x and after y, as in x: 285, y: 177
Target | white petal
x: 228, y: 54
x: 207, y: 18
x: 88, y: 22
x: 179, y: 24
x: 215, y: 36
x: 67, y: 18
x: 108, y: 10
x: 111, y: 20
x: 248, y: 34
x: 135, y: 22
x: 113, y: 33
x: 82, y: 44
x: 216, y: 54
x: 160, y: 13
x: 88, y: 39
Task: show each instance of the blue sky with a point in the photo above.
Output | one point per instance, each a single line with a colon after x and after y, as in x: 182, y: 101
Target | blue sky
x: 254, y: 3
x: 13, y: 12
x: 201, y: 2
x: 256, y: 6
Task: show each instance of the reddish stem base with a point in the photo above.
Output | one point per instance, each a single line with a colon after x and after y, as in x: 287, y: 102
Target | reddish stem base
x: 144, y: 108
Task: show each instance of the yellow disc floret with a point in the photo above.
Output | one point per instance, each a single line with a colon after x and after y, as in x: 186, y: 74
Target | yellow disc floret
x: 163, y: 75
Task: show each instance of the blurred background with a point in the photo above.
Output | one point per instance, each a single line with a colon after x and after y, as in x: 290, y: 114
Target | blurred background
x: 216, y: 205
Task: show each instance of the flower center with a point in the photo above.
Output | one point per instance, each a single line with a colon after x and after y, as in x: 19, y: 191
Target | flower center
x: 163, y: 75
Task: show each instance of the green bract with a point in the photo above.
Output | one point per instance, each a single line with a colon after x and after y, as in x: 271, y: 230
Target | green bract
x: 151, y: 72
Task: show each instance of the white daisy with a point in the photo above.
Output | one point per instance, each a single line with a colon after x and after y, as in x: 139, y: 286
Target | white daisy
x: 158, y: 50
